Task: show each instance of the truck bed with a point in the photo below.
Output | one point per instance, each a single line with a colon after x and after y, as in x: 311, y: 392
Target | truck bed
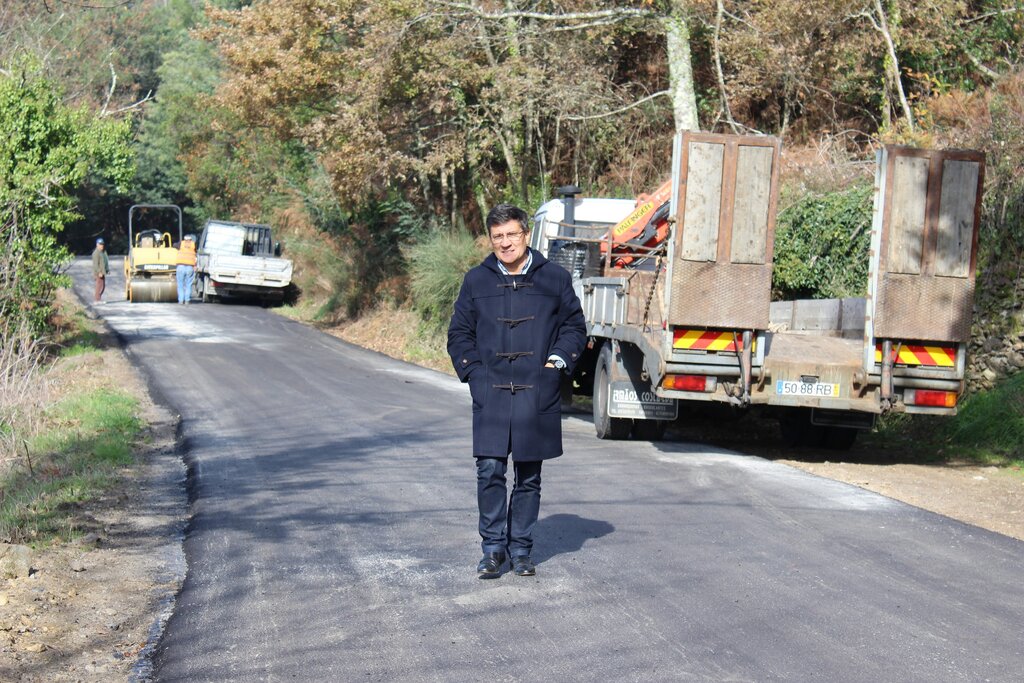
x: 814, y: 349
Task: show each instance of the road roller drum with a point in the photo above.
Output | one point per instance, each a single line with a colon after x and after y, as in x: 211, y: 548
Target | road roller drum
x: 144, y: 291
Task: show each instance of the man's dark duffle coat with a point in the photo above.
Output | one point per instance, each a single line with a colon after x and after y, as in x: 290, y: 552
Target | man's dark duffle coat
x: 502, y: 332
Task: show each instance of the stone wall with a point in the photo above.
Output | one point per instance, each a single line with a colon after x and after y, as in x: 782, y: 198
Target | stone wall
x: 996, y: 350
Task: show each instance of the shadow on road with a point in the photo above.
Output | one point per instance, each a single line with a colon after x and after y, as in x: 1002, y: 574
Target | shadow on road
x: 756, y: 432
x: 566, y: 533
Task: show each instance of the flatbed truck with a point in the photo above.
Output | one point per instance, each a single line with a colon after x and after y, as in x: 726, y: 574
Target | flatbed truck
x: 687, y: 315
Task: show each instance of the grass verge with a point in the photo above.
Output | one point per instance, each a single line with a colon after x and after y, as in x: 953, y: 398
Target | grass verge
x: 988, y: 428
x: 77, y: 448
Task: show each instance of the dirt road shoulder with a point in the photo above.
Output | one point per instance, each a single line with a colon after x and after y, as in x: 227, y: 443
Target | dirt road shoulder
x: 91, y: 610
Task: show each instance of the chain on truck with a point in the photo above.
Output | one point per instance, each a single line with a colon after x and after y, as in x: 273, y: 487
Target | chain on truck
x: 676, y: 289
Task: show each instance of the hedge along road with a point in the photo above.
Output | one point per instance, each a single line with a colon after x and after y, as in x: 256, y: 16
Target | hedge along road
x: 333, y: 538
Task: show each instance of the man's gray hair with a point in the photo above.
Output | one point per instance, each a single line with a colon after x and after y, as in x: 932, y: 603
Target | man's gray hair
x: 503, y: 213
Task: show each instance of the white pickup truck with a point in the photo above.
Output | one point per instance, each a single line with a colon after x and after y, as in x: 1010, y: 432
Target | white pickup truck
x: 240, y: 260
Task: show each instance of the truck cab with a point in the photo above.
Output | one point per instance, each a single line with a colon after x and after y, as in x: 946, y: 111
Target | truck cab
x: 594, y: 216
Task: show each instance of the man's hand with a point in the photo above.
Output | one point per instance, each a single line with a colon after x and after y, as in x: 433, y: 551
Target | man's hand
x: 549, y: 365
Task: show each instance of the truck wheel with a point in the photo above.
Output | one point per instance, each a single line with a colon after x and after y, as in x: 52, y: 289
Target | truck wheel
x: 798, y: 431
x: 840, y: 438
x: 205, y: 291
x: 606, y: 426
x: 649, y: 430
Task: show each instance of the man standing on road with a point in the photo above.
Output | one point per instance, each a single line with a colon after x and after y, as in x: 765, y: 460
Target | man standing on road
x: 516, y: 330
x: 186, y: 270
x: 100, y: 269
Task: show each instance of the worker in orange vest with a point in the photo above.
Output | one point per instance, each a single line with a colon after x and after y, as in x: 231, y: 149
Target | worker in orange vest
x: 186, y: 270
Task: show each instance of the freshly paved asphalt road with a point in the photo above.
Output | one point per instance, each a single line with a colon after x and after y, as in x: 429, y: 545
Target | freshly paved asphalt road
x: 334, y: 539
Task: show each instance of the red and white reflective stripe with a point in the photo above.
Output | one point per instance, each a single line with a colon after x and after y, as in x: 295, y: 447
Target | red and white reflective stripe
x: 707, y: 340
x: 919, y: 354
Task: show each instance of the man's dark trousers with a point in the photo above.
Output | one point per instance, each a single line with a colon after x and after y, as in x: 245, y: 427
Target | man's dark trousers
x: 507, y: 524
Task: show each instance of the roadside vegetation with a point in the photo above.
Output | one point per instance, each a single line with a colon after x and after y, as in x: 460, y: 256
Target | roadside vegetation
x: 988, y: 429
x: 990, y: 426
x: 82, y: 433
x: 57, y: 449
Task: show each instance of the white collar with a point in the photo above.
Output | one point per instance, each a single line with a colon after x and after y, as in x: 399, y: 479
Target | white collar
x: 526, y: 265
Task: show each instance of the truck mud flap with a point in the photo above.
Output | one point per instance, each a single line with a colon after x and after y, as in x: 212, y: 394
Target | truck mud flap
x: 630, y: 392
x: 629, y: 400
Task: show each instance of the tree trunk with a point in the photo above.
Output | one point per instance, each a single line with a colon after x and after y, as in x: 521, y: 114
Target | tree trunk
x: 720, y: 7
x: 680, y: 68
x: 893, y: 62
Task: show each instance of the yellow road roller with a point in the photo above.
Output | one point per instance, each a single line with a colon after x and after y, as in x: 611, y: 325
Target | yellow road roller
x: 150, y: 266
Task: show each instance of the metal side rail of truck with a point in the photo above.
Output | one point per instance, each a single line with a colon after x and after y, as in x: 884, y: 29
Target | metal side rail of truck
x: 240, y: 261
x: 676, y: 289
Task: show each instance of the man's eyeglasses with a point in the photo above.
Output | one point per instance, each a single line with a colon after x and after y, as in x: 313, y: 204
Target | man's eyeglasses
x: 511, y: 236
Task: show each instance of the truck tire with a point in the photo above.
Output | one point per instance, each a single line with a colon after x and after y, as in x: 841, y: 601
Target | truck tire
x: 798, y: 431
x: 649, y: 430
x: 204, y: 292
x: 606, y: 426
x: 840, y: 438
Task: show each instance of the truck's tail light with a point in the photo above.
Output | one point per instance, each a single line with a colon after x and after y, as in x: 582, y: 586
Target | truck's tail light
x: 929, y: 397
x: 689, y: 382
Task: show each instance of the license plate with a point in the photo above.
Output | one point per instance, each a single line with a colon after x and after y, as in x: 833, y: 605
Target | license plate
x: 788, y: 388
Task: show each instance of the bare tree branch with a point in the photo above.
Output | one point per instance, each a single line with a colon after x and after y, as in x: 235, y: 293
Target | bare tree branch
x: 85, y: 5
x: 738, y: 19
x: 134, y: 105
x: 716, y: 46
x: 110, y: 91
x: 997, y: 13
x: 617, y: 111
x: 614, y: 14
x: 580, y: 27
x: 882, y: 26
x: 984, y: 70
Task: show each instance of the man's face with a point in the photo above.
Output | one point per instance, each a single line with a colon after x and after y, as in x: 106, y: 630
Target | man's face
x: 100, y: 247
x: 509, y: 243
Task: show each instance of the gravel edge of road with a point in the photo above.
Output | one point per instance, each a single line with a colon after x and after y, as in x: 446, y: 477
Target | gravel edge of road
x: 170, y: 482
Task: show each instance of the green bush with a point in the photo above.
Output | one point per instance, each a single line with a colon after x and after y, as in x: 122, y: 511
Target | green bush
x: 821, y: 246
x: 436, y: 267
x: 46, y: 150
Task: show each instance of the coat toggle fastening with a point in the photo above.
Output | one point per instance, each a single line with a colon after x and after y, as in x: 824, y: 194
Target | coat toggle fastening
x: 513, y: 387
x: 515, y: 284
x: 512, y: 322
x: 513, y: 355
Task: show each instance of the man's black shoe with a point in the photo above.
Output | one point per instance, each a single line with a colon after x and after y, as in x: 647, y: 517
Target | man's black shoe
x: 522, y: 565
x: 490, y: 566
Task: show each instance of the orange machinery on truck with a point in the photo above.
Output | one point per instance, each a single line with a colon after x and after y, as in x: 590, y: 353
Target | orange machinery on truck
x: 677, y: 295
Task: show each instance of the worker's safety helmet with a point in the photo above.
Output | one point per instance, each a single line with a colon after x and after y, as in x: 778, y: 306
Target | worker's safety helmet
x: 190, y: 237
